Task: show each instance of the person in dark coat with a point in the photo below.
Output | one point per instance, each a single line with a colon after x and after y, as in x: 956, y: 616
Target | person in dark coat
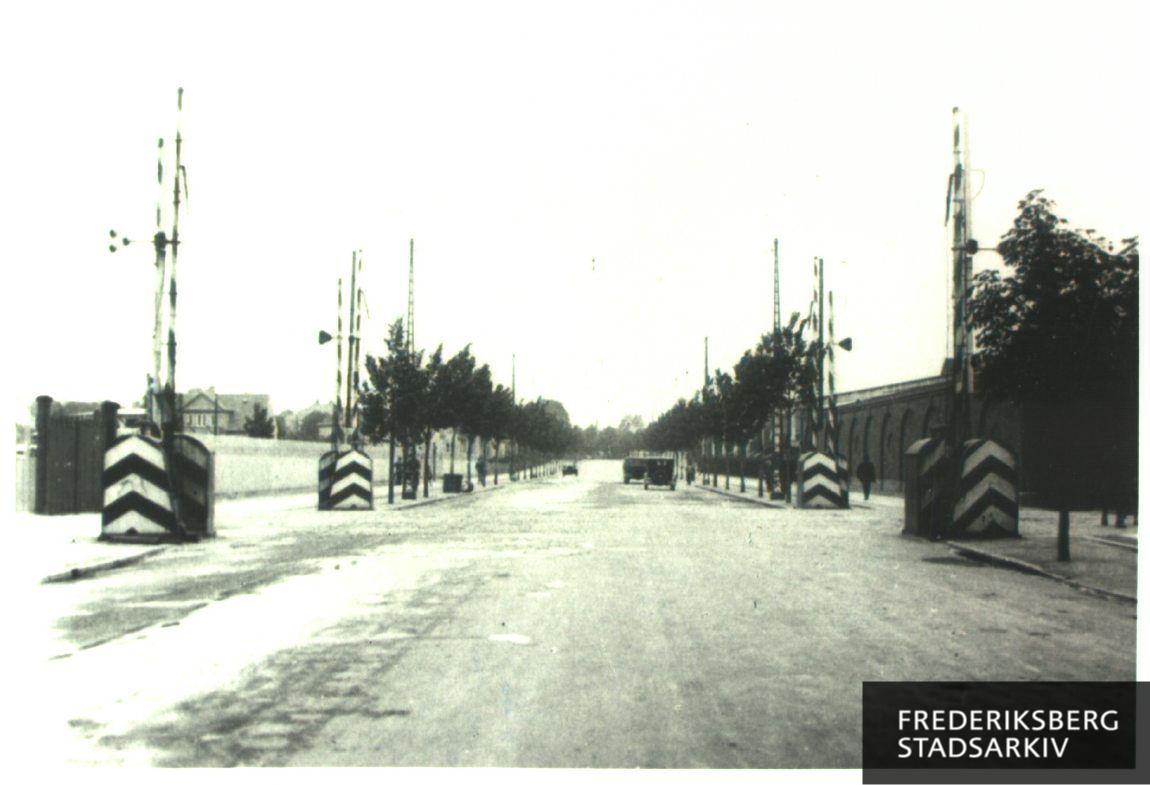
x: 866, y: 475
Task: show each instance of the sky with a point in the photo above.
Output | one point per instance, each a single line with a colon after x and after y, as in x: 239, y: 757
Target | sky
x: 671, y: 142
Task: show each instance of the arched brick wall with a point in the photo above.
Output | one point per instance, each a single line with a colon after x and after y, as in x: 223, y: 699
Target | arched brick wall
x: 885, y: 449
x: 883, y: 423
x: 929, y: 420
x: 905, y: 439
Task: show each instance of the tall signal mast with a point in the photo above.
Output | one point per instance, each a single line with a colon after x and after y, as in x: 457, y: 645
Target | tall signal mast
x: 962, y: 249
x: 778, y: 324
x: 411, y: 296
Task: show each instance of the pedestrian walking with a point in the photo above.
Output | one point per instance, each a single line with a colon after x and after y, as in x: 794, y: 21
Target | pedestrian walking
x: 866, y: 475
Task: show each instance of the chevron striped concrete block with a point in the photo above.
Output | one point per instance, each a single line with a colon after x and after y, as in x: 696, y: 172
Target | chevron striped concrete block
x: 986, y: 501
x: 327, y: 467
x: 345, y: 480
x: 845, y: 479
x: 193, y: 486
x: 137, y: 494
x: 925, y: 483
x: 822, y: 482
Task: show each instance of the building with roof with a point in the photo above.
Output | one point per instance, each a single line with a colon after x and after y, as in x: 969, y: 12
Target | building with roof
x: 206, y: 411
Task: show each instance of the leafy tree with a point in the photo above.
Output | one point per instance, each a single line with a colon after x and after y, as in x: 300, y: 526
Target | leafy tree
x: 473, y: 409
x: 310, y: 425
x: 394, y: 397
x: 1057, y: 334
x: 260, y: 425
x: 498, y: 414
x: 632, y: 423
x: 776, y: 376
x: 434, y: 414
x: 455, y: 388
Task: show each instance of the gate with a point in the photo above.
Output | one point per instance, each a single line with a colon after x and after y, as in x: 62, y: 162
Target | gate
x: 70, y: 458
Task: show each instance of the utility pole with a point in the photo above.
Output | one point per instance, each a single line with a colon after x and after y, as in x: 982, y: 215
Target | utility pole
x: 821, y: 348
x: 337, y: 406
x: 778, y: 323
x: 780, y: 417
x: 707, y: 443
x: 411, y: 293
x: 706, y: 363
x: 514, y: 402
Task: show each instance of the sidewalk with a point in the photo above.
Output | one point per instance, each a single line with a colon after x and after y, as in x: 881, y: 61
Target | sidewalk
x: 54, y: 548
x: 1103, y: 559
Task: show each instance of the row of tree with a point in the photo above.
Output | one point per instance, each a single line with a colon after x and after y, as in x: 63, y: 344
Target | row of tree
x: 409, y: 397
x: 1056, y: 335
x: 777, y: 374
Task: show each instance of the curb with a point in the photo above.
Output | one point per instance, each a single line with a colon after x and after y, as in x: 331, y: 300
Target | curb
x: 1129, y: 546
x: 91, y: 569
x: 439, y: 499
x: 741, y: 497
x: 977, y: 554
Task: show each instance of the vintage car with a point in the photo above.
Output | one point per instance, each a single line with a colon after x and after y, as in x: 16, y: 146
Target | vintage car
x: 660, y: 471
x: 634, y: 468
x: 570, y: 468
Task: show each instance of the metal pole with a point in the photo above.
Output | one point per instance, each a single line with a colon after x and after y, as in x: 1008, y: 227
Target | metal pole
x: 160, y: 241
x: 822, y: 353
x: 961, y: 279
x: 177, y: 180
x: 353, y: 403
x: 350, y: 343
x: 338, y: 405
x: 411, y: 295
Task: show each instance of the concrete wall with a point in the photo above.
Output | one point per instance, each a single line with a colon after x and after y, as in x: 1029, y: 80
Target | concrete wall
x: 250, y: 467
x: 247, y: 466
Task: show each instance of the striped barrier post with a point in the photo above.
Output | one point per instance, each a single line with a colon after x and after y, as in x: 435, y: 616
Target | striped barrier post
x: 987, y: 496
x: 925, y: 479
x: 193, y: 485
x: 326, y: 469
x: 821, y: 485
x: 137, y: 495
x: 845, y: 480
x: 345, y: 479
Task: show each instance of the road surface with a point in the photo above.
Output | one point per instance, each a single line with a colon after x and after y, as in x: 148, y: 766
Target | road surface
x: 571, y: 622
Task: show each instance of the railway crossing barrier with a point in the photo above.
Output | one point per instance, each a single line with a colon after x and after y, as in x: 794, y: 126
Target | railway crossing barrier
x: 157, y: 495
x: 823, y: 481
x: 345, y: 478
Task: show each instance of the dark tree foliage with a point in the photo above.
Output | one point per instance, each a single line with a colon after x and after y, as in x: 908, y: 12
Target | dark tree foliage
x: 309, y: 427
x: 260, y: 425
x: 778, y: 374
x: 498, y: 416
x: 393, y: 400
x: 1057, y: 334
x: 409, y: 401
x: 1062, y: 325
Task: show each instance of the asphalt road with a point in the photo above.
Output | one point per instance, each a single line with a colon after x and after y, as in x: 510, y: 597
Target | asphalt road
x: 567, y: 623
